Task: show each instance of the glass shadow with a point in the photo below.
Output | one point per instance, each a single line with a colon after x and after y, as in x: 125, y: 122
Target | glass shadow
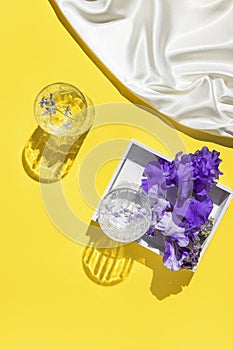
x: 110, y: 266
x: 106, y: 266
x: 48, y: 158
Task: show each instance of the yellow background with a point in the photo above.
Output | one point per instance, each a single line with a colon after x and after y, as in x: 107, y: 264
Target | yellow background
x: 47, y: 299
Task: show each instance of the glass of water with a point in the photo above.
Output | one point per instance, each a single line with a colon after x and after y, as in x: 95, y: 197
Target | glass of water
x: 61, y: 109
x: 124, y: 214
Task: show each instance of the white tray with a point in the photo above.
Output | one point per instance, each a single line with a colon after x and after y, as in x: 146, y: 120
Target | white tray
x: 131, y: 168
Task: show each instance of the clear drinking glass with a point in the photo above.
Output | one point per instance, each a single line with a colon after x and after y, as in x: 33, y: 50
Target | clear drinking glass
x: 62, y: 109
x: 64, y: 115
x: 124, y: 214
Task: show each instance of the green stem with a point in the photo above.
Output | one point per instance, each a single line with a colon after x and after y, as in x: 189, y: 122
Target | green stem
x: 67, y: 116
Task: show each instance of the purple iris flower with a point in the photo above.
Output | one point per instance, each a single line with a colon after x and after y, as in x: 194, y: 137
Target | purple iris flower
x: 158, y: 203
x: 193, y: 211
x: 154, y: 176
x: 174, y: 255
x: 169, y: 229
x: 185, y: 177
x: 169, y: 172
x: 206, y: 165
x: 180, y: 201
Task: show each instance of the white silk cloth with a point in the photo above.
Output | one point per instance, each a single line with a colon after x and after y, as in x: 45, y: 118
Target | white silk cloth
x: 177, y: 55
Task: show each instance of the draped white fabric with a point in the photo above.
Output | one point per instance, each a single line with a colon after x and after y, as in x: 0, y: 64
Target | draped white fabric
x: 175, y: 54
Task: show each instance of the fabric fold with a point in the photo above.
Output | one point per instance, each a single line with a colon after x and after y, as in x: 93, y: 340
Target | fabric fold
x: 175, y: 55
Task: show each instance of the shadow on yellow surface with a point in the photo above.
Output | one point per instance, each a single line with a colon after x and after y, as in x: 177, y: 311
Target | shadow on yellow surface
x: 197, y: 134
x: 164, y: 281
x: 106, y: 266
x: 48, y: 158
x: 110, y: 266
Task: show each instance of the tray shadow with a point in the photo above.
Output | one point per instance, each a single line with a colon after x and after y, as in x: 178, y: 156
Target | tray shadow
x: 111, y: 266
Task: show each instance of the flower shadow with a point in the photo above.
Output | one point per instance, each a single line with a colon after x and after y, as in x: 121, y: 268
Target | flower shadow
x: 111, y: 266
x: 48, y: 158
x: 164, y: 281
